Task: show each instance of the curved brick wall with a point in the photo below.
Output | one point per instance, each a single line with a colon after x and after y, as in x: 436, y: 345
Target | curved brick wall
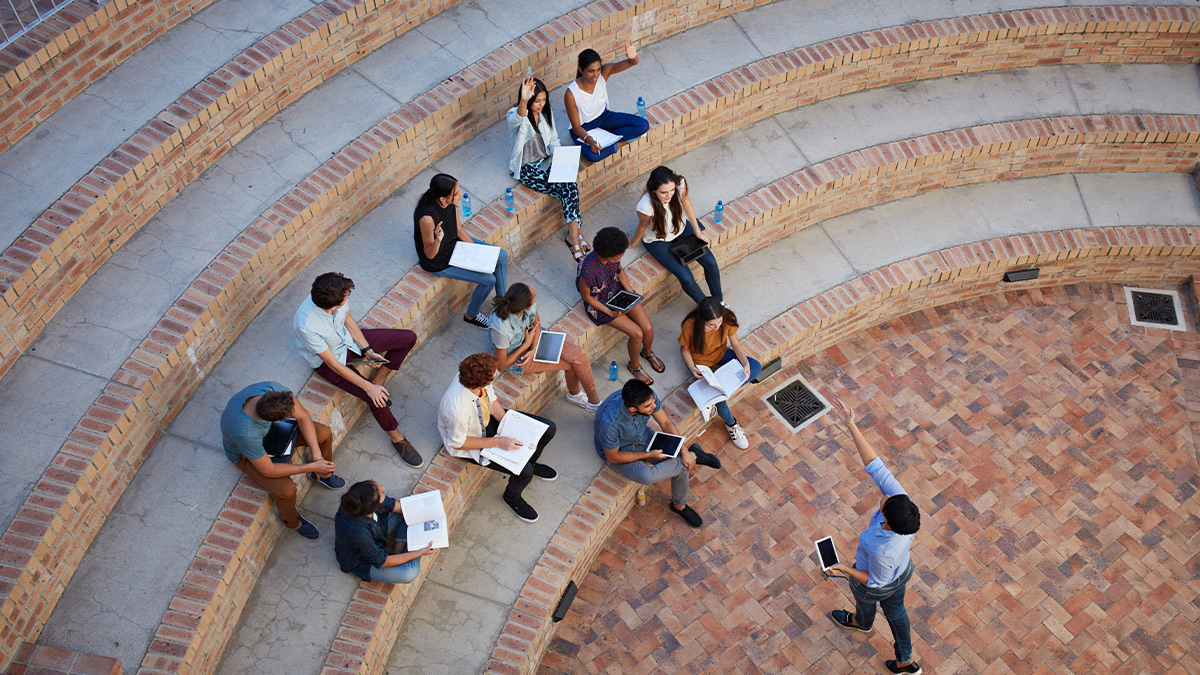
x: 49, y: 262
x: 55, y: 255
x: 1127, y: 255
x: 110, y: 442
x: 60, y: 57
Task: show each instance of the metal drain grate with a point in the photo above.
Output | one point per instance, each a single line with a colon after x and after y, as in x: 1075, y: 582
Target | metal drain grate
x: 1157, y: 308
x: 796, y: 403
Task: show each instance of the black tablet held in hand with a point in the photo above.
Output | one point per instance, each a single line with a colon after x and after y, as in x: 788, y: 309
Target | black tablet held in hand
x: 826, y: 553
x: 668, y: 443
x: 623, y: 301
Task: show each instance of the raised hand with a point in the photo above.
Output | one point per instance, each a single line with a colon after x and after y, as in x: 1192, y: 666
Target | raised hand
x: 527, y: 89
x: 844, y: 412
x: 630, y: 50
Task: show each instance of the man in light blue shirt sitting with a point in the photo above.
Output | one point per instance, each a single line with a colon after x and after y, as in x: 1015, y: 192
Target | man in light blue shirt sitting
x: 882, y: 564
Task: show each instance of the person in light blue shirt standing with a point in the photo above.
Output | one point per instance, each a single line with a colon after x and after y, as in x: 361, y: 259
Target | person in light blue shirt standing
x: 882, y: 563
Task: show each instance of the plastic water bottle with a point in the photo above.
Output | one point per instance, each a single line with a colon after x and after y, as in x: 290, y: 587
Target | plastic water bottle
x: 720, y: 212
x: 509, y: 202
x: 641, y: 107
x: 612, y: 372
x: 466, y: 206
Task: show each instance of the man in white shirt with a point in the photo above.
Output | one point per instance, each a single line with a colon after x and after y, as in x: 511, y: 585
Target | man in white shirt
x: 331, y: 341
x: 882, y: 564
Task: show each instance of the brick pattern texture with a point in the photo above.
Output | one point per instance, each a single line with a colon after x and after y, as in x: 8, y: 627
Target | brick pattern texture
x: 63, y: 55
x: 1047, y: 443
x: 42, y: 660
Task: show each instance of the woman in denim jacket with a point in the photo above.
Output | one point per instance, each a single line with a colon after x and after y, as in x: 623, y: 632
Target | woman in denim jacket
x: 533, y: 141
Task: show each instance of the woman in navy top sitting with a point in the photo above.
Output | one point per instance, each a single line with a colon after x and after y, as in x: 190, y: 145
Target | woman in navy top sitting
x: 436, y: 231
x: 364, y: 524
x: 586, y: 101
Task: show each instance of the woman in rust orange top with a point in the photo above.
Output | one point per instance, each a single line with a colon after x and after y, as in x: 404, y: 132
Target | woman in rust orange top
x: 713, y: 345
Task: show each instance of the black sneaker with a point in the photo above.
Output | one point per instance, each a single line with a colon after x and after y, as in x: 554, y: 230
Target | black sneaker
x: 913, y: 668
x: 705, y: 458
x: 846, y: 620
x: 522, y: 509
x: 689, y: 515
x: 308, y: 530
x: 333, y: 482
x: 408, y: 453
x: 479, y: 321
x: 544, y: 472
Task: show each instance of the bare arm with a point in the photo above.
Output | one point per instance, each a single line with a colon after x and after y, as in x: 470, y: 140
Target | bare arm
x: 576, y: 125
x: 643, y: 224
x: 664, y: 422
x: 401, y: 558
x: 378, y: 394
x: 861, y: 576
x: 272, y: 470
x: 631, y: 60
x: 736, y: 345
x: 308, y: 430
x: 431, y: 236
x: 518, y: 356
x: 690, y: 212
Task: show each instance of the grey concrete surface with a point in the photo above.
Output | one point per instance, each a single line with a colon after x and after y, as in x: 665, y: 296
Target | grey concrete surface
x: 376, y: 252
x: 105, y: 114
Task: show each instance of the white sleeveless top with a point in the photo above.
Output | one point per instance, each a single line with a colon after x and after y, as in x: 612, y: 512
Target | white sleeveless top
x: 590, y: 106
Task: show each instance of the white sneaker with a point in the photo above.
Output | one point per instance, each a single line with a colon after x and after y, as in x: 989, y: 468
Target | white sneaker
x: 738, y: 436
x: 581, y: 400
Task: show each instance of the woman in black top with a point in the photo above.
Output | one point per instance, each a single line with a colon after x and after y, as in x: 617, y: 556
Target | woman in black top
x: 365, y: 521
x: 436, y: 232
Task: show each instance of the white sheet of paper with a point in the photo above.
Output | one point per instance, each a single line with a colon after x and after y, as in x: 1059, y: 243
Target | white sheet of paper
x: 475, y: 257
x: 727, y: 379
x: 564, y: 168
x: 523, y: 428
x: 603, y: 137
x: 426, y: 518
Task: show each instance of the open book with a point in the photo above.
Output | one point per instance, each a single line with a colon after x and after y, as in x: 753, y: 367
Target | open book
x: 526, y: 430
x: 716, y: 386
x: 475, y: 257
x: 603, y: 137
x: 426, y: 518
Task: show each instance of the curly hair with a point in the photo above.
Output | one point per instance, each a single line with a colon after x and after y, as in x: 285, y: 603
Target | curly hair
x: 275, y: 405
x: 330, y: 289
x: 610, y: 242
x: 477, y: 370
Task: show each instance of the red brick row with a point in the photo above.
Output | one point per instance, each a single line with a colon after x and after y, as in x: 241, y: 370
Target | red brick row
x: 66, y: 53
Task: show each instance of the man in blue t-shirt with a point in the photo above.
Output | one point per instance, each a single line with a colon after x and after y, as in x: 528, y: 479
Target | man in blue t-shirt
x: 882, y: 564
x: 622, y: 433
x: 244, y: 424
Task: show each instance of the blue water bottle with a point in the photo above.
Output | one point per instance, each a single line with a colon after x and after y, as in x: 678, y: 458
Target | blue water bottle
x: 720, y: 212
x: 641, y: 107
x: 466, y: 206
x: 509, y: 202
x: 612, y: 372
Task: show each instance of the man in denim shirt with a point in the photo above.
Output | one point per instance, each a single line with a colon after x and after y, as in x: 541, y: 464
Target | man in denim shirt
x: 882, y: 564
x: 622, y: 433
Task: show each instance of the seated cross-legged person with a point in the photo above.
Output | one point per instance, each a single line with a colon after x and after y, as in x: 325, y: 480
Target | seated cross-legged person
x: 468, y: 418
x: 369, y: 528
x: 586, y: 101
x: 437, y: 230
x: 515, y: 326
x: 714, y: 345
x: 622, y: 432
x: 533, y: 142
x: 665, y: 213
x: 244, y: 424
x: 599, y: 278
x: 328, y: 337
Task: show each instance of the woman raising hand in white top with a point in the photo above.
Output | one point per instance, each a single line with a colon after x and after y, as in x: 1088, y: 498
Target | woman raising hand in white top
x: 586, y: 101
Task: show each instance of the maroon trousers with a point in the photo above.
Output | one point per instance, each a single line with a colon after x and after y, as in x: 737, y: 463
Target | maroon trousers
x: 394, y: 344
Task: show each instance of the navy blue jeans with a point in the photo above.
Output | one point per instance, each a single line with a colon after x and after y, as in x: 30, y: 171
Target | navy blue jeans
x: 627, y: 126
x: 484, y: 282
x: 712, y: 273
x: 891, y: 599
x: 723, y: 407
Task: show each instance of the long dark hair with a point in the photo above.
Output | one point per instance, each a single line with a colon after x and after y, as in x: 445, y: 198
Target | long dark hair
x: 708, y: 309
x: 361, y: 499
x: 517, y: 298
x: 539, y: 87
x: 659, y: 177
x: 441, y: 185
x: 586, y: 58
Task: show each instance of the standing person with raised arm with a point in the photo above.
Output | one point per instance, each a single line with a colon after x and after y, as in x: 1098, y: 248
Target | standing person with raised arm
x: 882, y: 563
x: 533, y: 141
x: 586, y: 101
x: 330, y: 340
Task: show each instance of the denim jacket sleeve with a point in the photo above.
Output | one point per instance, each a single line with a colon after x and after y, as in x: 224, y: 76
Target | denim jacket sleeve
x: 520, y: 130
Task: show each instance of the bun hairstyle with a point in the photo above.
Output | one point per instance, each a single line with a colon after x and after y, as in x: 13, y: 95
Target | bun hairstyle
x: 441, y: 185
x: 515, y: 300
x: 586, y: 58
x: 709, y: 308
x: 539, y: 87
x: 361, y: 499
x: 659, y: 177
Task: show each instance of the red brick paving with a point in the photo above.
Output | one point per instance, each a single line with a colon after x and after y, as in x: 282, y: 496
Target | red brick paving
x: 1048, y: 445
